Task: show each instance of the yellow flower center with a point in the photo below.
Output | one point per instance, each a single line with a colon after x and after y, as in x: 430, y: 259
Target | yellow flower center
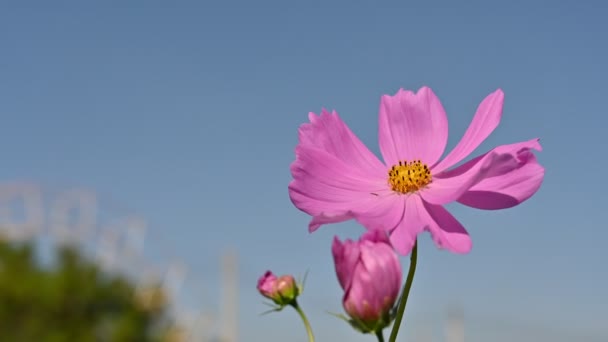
x: 409, y: 177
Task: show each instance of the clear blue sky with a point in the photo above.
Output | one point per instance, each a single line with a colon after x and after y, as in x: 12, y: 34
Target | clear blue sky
x: 188, y: 112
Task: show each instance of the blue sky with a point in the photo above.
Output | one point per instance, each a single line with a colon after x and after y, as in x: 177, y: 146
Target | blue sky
x: 187, y: 113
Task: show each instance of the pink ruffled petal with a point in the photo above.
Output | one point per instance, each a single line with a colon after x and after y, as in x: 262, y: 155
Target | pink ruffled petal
x: 412, y: 126
x: 329, y: 133
x: 413, y: 223
x: 382, y: 213
x: 449, y: 186
x: 506, y: 190
x: 446, y: 231
x: 484, y: 122
x: 325, y: 187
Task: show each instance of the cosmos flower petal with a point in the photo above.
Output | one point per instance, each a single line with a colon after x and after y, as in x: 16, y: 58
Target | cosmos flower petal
x: 318, y: 220
x: 486, y: 119
x: 414, y: 222
x: 445, y: 190
x: 325, y: 186
x: 449, y: 186
x: 329, y: 133
x: 506, y: 190
x: 384, y: 213
x: 446, y: 231
x: 412, y: 126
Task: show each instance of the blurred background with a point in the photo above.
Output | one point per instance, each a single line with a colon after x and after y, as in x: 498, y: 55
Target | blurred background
x: 146, y: 148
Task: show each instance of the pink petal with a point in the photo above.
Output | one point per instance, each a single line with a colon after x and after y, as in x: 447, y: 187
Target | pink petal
x: 412, y: 126
x: 325, y: 186
x: 375, y: 236
x: 266, y: 283
x: 329, y: 133
x: 484, y: 122
x: 449, y: 186
x: 446, y: 231
x: 349, y: 254
x: 384, y: 213
x: 506, y: 190
x: 413, y: 223
x: 317, y: 221
x: 380, y: 261
x: 346, y: 257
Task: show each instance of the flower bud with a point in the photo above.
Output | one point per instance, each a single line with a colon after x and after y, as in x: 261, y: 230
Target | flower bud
x: 266, y: 285
x: 282, y: 290
x: 369, y: 272
x: 287, y: 288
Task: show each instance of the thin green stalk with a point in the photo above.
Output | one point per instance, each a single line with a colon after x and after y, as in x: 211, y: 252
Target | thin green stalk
x: 405, y: 293
x: 380, y: 336
x: 311, y: 337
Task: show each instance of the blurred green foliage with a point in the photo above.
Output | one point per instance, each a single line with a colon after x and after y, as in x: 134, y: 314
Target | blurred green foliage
x: 73, y: 300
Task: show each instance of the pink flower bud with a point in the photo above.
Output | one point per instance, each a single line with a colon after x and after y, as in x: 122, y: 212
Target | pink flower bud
x: 267, y: 285
x: 282, y: 290
x: 370, y: 274
x: 287, y: 288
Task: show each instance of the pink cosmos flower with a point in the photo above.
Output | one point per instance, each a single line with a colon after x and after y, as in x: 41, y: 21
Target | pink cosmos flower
x: 370, y: 275
x: 336, y: 178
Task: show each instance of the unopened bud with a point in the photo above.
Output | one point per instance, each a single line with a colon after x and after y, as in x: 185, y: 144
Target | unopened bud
x: 282, y: 290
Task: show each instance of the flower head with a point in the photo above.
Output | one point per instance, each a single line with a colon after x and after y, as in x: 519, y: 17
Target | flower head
x: 336, y: 178
x: 282, y: 290
x: 370, y: 275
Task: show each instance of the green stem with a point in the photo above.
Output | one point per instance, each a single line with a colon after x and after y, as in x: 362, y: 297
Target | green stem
x: 311, y: 337
x: 405, y: 293
x: 380, y: 336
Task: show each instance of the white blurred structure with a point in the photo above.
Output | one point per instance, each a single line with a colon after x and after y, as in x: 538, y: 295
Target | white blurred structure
x: 115, y: 238
x: 229, y: 298
x: 454, y: 328
x: 21, y: 211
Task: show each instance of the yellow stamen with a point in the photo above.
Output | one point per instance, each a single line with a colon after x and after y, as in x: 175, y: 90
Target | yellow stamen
x: 409, y: 177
